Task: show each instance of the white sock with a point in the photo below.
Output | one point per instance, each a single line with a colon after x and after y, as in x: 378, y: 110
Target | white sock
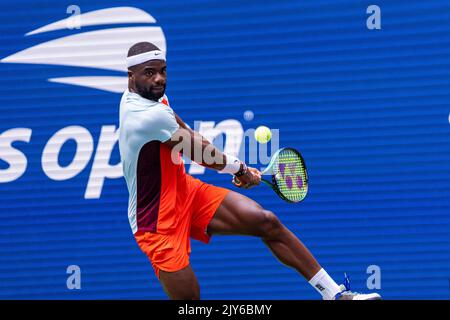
x: 326, y: 286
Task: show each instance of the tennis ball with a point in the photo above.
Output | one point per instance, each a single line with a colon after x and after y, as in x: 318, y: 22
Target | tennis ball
x: 263, y: 134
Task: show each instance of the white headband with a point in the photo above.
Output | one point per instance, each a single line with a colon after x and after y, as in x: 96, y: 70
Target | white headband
x: 146, y: 56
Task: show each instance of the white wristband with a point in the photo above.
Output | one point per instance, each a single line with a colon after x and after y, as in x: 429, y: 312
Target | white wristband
x: 232, y: 164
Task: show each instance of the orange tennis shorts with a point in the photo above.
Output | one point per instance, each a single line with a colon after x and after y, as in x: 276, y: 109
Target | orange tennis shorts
x: 194, y: 210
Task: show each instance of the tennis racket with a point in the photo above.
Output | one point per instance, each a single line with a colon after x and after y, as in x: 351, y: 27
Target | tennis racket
x: 286, y: 174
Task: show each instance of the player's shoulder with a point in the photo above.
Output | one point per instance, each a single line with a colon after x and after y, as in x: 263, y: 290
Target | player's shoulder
x: 133, y: 103
x: 164, y: 100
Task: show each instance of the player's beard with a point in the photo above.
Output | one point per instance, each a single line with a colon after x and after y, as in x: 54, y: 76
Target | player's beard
x: 150, y: 92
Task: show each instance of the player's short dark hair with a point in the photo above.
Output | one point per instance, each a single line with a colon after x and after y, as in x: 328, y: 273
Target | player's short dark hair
x: 141, y: 47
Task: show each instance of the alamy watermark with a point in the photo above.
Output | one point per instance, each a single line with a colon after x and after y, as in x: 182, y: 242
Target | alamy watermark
x: 74, y: 21
x: 374, y: 279
x: 226, y: 137
x: 373, y: 22
x: 73, y: 281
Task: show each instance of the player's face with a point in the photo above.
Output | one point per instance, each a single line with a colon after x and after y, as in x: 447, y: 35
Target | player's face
x: 150, y: 79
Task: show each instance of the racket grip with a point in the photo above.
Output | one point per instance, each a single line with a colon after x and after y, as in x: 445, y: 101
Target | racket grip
x: 236, y: 181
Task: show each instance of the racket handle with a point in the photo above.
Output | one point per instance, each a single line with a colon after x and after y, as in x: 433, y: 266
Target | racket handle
x: 236, y: 181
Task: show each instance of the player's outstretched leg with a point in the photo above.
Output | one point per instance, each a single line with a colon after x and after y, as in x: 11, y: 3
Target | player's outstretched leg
x: 180, y: 285
x: 240, y: 215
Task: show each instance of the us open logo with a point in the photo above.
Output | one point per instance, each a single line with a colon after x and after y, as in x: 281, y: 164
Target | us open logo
x: 104, y: 49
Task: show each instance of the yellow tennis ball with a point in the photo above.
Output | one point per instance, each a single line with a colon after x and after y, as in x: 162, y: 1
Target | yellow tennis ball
x: 263, y: 134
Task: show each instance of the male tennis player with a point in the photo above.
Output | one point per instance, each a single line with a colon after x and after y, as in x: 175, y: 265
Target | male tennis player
x: 168, y: 206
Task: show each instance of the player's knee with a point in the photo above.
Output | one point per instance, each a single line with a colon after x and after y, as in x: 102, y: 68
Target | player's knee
x: 270, y: 225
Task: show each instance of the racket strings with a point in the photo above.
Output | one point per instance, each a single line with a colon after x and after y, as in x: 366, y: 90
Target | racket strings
x: 290, y: 176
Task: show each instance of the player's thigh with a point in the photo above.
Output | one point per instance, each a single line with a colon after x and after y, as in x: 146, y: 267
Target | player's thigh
x: 239, y: 214
x: 180, y: 285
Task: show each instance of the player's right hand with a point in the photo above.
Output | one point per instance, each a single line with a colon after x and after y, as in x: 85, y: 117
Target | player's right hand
x: 251, y: 178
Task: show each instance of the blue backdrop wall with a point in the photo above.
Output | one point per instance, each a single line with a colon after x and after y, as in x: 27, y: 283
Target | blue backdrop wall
x: 368, y: 109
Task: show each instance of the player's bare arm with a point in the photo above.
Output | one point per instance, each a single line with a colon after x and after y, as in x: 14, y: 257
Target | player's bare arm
x: 192, y: 143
